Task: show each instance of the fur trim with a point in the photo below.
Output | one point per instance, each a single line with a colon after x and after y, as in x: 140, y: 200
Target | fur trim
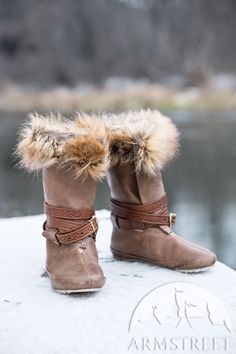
x: 80, y: 144
x: 147, y: 138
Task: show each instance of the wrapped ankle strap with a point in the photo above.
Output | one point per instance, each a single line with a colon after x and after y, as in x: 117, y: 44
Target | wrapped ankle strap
x: 66, y: 226
x: 140, y: 217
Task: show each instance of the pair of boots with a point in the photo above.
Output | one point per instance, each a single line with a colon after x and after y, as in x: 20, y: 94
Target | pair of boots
x: 131, y: 149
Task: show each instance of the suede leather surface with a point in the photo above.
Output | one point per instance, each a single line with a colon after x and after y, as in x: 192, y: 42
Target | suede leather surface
x: 72, y: 266
x: 159, y: 245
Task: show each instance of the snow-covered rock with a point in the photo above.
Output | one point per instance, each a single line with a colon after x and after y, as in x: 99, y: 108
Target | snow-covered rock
x: 36, y: 320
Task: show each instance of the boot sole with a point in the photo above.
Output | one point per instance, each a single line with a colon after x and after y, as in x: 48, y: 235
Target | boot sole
x: 198, y: 270
x: 89, y: 290
x: 132, y: 258
x: 68, y: 291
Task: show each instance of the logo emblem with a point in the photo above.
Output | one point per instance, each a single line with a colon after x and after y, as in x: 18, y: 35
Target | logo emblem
x: 179, y: 316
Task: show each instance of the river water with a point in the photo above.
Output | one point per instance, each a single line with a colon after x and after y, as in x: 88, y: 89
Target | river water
x: 201, y: 183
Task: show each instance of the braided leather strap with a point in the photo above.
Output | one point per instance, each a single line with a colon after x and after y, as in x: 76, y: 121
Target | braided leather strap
x: 66, y: 226
x: 140, y: 217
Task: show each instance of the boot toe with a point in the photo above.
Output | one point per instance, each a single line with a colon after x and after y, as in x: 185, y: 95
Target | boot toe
x: 208, y: 260
x: 97, y: 281
x: 77, y: 283
x: 201, y: 262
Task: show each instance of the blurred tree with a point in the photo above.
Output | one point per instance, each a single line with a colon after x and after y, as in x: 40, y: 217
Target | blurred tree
x: 51, y: 42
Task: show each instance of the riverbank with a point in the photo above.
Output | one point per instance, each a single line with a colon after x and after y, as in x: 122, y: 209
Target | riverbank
x: 117, y: 97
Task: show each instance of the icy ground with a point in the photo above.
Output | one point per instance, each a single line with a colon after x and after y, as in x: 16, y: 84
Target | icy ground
x: 36, y: 320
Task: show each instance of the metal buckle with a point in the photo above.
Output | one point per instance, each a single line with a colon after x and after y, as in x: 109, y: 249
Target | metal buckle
x: 50, y: 234
x: 172, y: 219
x: 115, y: 221
x: 56, y: 233
x: 92, y: 225
x: 56, y: 241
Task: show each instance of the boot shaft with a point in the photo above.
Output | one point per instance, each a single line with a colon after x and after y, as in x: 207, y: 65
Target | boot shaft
x: 128, y: 186
x: 141, y: 144
x: 62, y: 188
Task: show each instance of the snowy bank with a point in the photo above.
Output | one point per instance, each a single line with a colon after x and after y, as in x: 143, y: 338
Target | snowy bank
x: 36, y: 320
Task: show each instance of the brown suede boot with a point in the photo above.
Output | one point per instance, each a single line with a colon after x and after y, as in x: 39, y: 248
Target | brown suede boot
x: 72, y: 156
x: 141, y: 144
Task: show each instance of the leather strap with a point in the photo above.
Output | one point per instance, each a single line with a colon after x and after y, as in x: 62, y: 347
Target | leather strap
x: 66, y: 226
x: 140, y: 217
x: 65, y: 213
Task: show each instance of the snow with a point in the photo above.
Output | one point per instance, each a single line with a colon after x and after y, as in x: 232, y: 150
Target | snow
x: 36, y: 320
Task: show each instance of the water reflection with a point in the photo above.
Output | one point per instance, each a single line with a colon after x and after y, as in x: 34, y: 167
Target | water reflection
x: 201, y: 183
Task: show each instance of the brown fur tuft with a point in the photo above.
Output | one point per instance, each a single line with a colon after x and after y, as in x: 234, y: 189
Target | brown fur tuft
x: 147, y: 138
x: 80, y: 144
